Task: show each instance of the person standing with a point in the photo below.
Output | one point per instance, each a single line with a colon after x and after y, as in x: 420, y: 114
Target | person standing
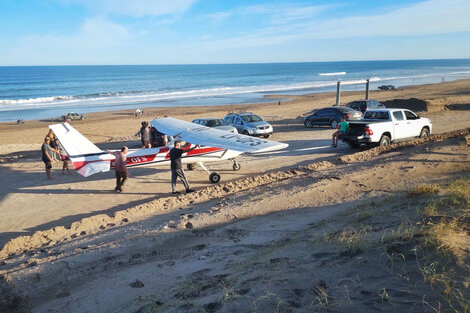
x: 177, y: 168
x: 120, y: 167
x: 342, y: 130
x: 144, y: 135
x: 157, y: 139
x: 48, y: 155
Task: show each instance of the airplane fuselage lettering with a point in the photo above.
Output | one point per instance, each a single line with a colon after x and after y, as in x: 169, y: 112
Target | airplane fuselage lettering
x: 245, y: 139
x: 138, y: 159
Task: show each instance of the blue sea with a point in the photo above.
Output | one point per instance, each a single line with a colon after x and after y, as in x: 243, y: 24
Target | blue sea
x: 44, y: 92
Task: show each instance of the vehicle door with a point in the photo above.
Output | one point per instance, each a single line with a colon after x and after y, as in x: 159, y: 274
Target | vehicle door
x: 400, y: 128
x: 413, y: 123
x: 321, y: 117
x: 238, y: 124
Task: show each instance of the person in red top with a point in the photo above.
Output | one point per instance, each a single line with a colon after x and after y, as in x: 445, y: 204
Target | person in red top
x: 120, y: 167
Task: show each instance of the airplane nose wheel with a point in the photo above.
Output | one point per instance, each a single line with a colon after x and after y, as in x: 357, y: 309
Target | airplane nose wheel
x: 214, y: 178
x: 236, y: 166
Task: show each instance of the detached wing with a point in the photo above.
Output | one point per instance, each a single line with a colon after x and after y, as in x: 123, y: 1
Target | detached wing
x: 206, y: 136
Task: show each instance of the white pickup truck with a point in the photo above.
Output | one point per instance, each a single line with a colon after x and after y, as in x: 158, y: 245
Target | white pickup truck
x: 383, y: 126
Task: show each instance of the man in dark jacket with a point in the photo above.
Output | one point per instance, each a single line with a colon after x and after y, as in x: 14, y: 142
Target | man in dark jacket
x: 177, y: 168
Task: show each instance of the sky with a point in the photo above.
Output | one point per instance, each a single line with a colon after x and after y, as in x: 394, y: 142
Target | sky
x: 91, y: 32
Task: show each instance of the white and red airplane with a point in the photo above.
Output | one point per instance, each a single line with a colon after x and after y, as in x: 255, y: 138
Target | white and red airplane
x: 214, y: 145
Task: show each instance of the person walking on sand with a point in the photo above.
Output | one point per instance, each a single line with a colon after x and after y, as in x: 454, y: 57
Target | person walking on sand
x: 342, y: 130
x: 48, y: 155
x: 177, y: 167
x: 120, y: 167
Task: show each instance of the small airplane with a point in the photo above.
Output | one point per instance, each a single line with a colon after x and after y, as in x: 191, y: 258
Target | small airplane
x: 213, y: 145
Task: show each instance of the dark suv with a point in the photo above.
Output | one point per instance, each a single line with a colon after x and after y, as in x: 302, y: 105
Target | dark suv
x: 364, y: 105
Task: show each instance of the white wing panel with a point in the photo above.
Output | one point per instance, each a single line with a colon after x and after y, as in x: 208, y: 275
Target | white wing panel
x: 72, y: 141
x: 94, y: 167
x: 206, y: 136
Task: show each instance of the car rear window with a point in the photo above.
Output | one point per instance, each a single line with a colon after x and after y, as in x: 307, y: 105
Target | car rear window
x: 345, y: 109
x: 376, y: 115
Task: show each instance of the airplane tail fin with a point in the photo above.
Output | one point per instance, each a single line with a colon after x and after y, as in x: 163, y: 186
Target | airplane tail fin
x: 81, y: 151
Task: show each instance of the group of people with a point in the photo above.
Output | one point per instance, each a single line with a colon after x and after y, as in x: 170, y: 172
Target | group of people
x: 176, y: 166
x: 52, y: 152
x: 150, y: 137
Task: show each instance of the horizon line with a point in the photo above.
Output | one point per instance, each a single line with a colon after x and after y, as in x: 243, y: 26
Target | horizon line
x: 242, y: 63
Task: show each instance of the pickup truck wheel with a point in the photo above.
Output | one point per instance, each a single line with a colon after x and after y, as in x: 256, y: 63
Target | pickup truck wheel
x: 424, y: 133
x: 334, y: 124
x: 384, y: 141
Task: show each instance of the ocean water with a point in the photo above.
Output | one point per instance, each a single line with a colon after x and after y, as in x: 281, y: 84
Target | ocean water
x: 44, y: 92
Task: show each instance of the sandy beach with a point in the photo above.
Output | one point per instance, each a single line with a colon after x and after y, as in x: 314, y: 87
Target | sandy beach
x: 308, y: 229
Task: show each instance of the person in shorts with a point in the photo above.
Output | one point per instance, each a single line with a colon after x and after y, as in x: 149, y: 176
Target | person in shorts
x: 342, y: 130
x: 48, y: 155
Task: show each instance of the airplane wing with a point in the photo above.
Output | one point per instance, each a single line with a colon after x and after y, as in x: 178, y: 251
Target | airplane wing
x: 86, y: 157
x: 206, y: 136
x: 72, y: 141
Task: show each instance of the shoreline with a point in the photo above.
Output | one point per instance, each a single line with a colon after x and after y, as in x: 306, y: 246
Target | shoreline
x: 266, y: 97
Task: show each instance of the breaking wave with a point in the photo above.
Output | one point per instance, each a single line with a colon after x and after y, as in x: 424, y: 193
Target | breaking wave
x: 332, y: 74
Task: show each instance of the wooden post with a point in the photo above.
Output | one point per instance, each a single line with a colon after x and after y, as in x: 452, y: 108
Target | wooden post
x: 338, y: 93
x: 367, y: 89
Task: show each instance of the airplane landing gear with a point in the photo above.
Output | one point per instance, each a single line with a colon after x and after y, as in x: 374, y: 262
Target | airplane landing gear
x: 214, y: 177
x: 236, y: 166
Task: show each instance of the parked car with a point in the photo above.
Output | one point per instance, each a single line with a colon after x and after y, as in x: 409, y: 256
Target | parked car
x: 364, y: 105
x: 216, y: 123
x: 331, y: 116
x: 384, y: 126
x: 72, y: 116
x: 387, y: 87
x: 249, y: 124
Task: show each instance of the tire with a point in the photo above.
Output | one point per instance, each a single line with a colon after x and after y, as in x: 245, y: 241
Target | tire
x: 384, y: 141
x: 214, y: 178
x: 245, y: 132
x: 190, y: 166
x: 308, y: 124
x: 334, y: 124
x: 266, y: 136
x: 424, y: 133
x: 236, y: 166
